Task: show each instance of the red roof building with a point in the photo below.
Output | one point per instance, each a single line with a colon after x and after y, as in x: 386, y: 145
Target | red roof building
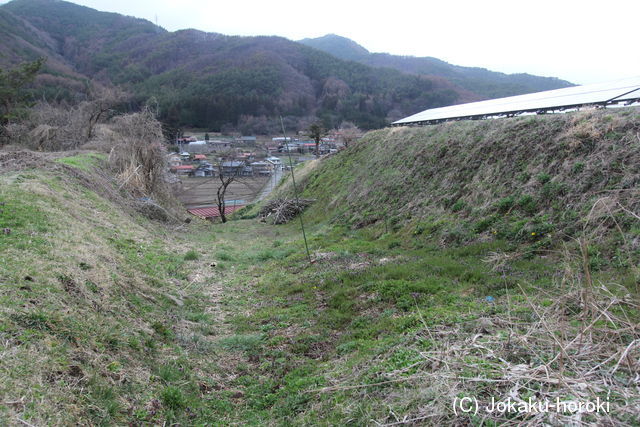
x: 182, y: 169
x: 213, y: 212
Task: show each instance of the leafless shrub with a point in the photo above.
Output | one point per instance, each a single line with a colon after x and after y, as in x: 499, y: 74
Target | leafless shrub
x: 349, y: 133
x: 49, y: 128
x: 134, y: 143
x: 139, y: 157
x: 499, y: 261
x: 59, y: 127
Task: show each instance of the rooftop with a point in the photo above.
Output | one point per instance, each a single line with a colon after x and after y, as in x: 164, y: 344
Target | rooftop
x: 624, y: 91
x: 213, y: 211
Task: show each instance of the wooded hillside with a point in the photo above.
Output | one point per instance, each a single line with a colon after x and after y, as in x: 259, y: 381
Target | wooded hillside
x: 210, y: 80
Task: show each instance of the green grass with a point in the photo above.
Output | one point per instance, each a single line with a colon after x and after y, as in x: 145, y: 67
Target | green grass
x: 109, y: 319
x: 191, y: 255
x: 85, y: 161
x: 368, y: 312
x: 87, y: 313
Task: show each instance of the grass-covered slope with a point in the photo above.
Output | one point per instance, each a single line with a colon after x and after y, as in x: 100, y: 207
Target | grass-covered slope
x: 537, y: 179
x: 98, y: 306
x: 467, y: 260
x: 411, y: 300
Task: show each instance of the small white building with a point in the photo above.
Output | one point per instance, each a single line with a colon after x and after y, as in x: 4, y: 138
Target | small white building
x: 275, y: 161
x: 174, y: 159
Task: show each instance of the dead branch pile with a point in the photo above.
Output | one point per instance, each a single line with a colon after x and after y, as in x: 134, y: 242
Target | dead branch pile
x: 282, y: 211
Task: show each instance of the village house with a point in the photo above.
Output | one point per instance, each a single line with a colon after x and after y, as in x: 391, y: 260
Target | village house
x: 173, y: 159
x: 247, y: 140
x: 185, y: 140
x: 246, y: 155
x: 262, y: 168
x: 204, y: 170
x: 275, y: 161
x: 183, y: 170
x: 291, y: 147
x: 281, y: 139
x: 204, y: 147
x: 307, y: 147
x: 232, y: 167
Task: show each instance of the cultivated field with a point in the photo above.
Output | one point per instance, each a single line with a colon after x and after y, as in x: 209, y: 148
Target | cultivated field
x: 202, y: 191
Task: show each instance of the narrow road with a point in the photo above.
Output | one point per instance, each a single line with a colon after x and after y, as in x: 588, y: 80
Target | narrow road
x: 270, y: 185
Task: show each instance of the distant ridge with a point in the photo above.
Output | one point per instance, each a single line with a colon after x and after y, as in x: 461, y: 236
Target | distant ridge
x: 486, y: 84
x: 218, y: 82
x: 208, y: 80
x: 339, y: 46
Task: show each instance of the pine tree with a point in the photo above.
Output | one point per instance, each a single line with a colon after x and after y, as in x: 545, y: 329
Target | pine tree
x: 13, y: 98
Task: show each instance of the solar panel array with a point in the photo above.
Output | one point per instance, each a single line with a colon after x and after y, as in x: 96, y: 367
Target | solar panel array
x: 624, y: 91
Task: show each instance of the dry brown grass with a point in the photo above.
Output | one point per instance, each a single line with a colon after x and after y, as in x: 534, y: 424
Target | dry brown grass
x: 577, y: 340
x: 59, y: 127
x: 565, y: 350
x: 582, y: 130
x: 139, y: 156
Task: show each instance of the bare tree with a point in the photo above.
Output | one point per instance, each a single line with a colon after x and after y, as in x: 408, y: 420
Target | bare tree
x: 62, y: 127
x: 349, y: 133
x: 102, y: 102
x: 230, y: 169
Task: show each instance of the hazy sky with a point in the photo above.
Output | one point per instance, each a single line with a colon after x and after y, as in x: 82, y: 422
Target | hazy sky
x: 581, y: 41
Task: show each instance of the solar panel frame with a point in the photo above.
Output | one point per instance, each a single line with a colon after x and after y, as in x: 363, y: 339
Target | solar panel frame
x: 602, y: 94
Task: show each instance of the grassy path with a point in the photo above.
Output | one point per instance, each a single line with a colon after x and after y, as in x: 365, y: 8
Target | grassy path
x: 385, y: 328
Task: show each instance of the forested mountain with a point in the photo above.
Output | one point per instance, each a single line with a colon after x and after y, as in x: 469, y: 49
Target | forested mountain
x: 485, y: 83
x: 210, y: 80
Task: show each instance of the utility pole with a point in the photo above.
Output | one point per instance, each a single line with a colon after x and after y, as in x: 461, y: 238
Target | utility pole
x: 295, y: 192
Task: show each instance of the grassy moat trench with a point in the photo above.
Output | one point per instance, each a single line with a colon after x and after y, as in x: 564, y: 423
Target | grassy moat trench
x: 108, y: 318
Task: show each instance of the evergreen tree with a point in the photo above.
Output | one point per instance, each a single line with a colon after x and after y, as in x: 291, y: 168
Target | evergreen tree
x: 316, y: 132
x: 13, y: 97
